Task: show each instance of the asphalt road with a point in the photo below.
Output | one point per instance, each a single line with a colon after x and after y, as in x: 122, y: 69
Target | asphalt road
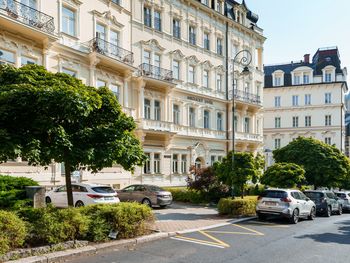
x: 321, y: 240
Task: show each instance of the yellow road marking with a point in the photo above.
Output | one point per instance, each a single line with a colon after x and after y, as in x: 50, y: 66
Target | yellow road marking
x: 198, y: 241
x: 249, y: 229
x: 214, y: 238
x: 228, y: 232
x: 267, y: 224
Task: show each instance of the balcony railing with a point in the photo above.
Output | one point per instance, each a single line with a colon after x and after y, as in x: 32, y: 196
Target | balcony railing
x: 27, y: 15
x: 246, y: 97
x: 248, y: 136
x: 155, y: 72
x: 111, y: 50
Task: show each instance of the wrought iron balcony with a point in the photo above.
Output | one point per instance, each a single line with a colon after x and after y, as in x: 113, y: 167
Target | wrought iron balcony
x: 27, y: 15
x: 108, y: 49
x: 246, y: 97
x: 155, y: 72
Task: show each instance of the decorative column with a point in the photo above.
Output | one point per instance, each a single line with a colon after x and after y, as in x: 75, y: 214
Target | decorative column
x: 141, y: 101
x: 152, y: 163
x: 126, y: 91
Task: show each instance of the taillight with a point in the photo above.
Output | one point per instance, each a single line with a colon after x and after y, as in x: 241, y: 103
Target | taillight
x: 286, y: 200
x: 94, y: 196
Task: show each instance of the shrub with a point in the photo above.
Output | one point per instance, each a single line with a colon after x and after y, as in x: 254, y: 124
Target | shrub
x: 182, y: 194
x: 256, y: 189
x: 238, y: 206
x: 13, y: 231
x: 128, y: 219
x: 12, y: 191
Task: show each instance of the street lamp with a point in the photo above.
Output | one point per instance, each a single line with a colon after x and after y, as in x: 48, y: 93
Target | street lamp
x: 244, y: 61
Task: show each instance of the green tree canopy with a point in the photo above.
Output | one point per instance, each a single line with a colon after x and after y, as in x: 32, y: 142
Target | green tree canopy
x: 284, y: 175
x: 47, y: 117
x: 324, y: 165
x: 245, y: 167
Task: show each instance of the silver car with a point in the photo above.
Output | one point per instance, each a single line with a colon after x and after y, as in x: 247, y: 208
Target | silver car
x: 291, y: 204
x: 344, y: 197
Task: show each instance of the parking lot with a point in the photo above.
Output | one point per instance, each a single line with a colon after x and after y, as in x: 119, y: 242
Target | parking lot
x: 252, y: 241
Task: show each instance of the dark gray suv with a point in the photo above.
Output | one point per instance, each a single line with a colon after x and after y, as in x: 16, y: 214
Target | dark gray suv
x: 326, y: 202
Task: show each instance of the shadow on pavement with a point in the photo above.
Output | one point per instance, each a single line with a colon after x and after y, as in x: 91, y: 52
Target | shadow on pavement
x: 342, y: 237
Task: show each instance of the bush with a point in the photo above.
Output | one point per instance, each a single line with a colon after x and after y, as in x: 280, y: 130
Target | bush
x: 256, y: 189
x: 182, y: 194
x: 128, y: 219
x: 238, y: 206
x: 12, y: 191
x: 13, y: 231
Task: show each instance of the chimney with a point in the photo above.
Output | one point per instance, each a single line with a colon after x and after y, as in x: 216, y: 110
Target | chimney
x: 307, y: 58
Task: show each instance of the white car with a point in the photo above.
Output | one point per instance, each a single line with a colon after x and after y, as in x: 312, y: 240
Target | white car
x: 83, y: 194
x: 291, y: 204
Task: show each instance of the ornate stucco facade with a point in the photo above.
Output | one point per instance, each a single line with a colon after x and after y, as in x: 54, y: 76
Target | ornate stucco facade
x: 169, y: 63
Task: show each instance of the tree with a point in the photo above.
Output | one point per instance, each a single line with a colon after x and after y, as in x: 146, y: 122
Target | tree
x: 324, y: 164
x: 284, y: 175
x: 244, y: 169
x: 47, y: 117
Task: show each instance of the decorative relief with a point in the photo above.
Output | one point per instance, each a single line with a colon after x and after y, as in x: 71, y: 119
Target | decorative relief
x: 108, y: 17
x: 177, y: 54
x: 192, y: 59
x: 153, y: 44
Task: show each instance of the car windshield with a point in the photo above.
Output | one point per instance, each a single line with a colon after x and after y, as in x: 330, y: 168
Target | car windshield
x: 154, y: 188
x: 274, y: 194
x: 314, y: 195
x: 103, y: 189
x: 341, y: 195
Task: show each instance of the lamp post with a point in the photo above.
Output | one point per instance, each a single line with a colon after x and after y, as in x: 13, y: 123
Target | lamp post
x: 244, y: 60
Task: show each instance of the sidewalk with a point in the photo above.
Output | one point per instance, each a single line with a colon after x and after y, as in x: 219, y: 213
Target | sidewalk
x: 181, y: 217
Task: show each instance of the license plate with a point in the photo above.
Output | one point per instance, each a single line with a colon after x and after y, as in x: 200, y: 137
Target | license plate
x: 270, y: 203
x: 108, y: 198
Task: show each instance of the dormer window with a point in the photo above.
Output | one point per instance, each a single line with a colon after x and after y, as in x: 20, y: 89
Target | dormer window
x: 296, y: 80
x: 306, y: 79
x: 277, y: 81
x: 278, y: 78
x: 329, y: 73
x: 328, y: 76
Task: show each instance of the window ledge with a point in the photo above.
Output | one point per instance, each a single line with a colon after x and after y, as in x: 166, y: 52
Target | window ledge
x: 70, y: 36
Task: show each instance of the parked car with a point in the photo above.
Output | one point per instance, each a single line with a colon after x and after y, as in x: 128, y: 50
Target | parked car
x: 291, y: 204
x: 146, y: 194
x: 326, y: 202
x: 344, y: 197
x: 83, y: 194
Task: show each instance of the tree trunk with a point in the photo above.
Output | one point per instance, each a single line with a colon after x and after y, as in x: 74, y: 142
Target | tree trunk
x: 242, y: 191
x: 68, y: 171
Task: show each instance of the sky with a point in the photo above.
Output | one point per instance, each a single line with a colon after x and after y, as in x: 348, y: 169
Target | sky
x: 297, y: 27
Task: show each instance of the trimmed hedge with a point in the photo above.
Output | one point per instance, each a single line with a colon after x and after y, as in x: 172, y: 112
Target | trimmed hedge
x: 182, y: 194
x: 238, y: 206
x: 13, y: 231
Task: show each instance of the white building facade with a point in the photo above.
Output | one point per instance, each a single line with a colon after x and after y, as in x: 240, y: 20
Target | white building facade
x: 168, y: 62
x: 305, y: 99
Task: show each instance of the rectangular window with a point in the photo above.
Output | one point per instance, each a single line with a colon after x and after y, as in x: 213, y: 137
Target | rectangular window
x: 101, y: 31
x: 157, y: 110
x: 206, y: 79
x: 157, y: 21
x: 146, y: 57
x: 192, y: 35
x: 27, y: 60
x: 219, y: 121
x: 114, y: 38
x: 147, y: 16
x: 191, y: 72
x: 219, y: 82
x: 147, y: 109
x: 306, y: 79
x: 295, y: 100
x: 328, y: 98
x: 277, y: 122
x: 156, y: 163
x: 212, y: 160
x: 192, y: 117
x: 277, y: 81
x: 296, y: 80
x: 219, y: 6
x: 157, y: 65
x: 176, y: 28
x: 116, y: 90
x: 307, y: 99
x: 307, y: 121
x: 147, y: 165
x: 295, y: 121
x: 219, y: 46
x: 235, y: 123
x: 206, y: 119
x: 206, y: 40
x: 328, y: 120
x: 176, y: 114
x: 328, y: 140
x: 277, y: 101
x: 74, y: 73
x: 183, y: 163
x: 277, y: 143
x: 6, y: 57
x: 176, y: 69
x: 328, y: 76
x: 68, y: 21
x: 246, y: 125
x: 101, y: 83
x: 175, y: 164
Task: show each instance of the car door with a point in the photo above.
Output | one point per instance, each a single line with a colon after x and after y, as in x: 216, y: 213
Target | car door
x: 140, y: 193
x: 301, y: 202
x: 60, y: 197
x: 307, y: 203
x: 126, y: 194
x: 332, y: 200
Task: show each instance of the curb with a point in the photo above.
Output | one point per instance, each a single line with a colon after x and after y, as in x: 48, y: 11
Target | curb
x: 62, y: 256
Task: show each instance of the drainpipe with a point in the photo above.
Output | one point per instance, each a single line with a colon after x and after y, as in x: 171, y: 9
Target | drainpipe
x: 226, y: 80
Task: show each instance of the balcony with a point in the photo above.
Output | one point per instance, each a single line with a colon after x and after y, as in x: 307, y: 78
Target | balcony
x: 155, y: 125
x: 198, y: 132
x: 250, y: 137
x: 112, y: 52
x: 155, y: 74
x: 26, y: 15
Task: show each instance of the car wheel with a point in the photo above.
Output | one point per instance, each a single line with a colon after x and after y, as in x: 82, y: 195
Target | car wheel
x: 312, y: 214
x: 340, y: 210
x: 79, y: 204
x: 261, y: 217
x: 329, y: 211
x: 295, y: 217
x: 146, y: 201
x: 48, y: 200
